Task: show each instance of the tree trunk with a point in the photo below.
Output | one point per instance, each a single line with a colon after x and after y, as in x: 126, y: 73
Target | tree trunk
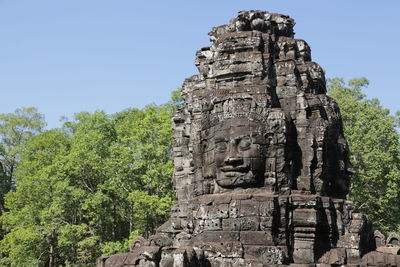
x: 51, y: 255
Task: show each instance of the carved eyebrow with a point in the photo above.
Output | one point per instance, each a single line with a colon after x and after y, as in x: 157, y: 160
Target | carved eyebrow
x: 220, y: 139
x: 242, y: 136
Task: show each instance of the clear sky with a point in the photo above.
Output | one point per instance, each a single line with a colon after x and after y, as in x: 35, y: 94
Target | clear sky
x: 67, y: 56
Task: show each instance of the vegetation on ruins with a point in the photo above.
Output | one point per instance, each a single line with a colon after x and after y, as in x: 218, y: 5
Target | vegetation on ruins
x: 68, y: 195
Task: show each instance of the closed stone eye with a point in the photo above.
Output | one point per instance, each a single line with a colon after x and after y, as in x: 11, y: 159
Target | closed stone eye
x: 244, y: 143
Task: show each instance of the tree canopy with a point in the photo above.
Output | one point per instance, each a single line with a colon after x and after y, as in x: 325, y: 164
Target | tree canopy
x: 15, y: 129
x: 89, y: 188
x: 374, y: 152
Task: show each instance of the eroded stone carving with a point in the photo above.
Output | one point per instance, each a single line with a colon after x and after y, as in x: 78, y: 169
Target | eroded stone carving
x: 261, y: 162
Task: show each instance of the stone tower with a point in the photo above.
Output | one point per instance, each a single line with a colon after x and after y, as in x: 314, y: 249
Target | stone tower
x: 261, y: 162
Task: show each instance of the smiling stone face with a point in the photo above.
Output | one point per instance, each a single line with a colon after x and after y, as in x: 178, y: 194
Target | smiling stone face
x: 239, y: 153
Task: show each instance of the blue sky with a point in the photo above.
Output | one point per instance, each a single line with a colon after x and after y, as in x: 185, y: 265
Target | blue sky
x: 67, y: 56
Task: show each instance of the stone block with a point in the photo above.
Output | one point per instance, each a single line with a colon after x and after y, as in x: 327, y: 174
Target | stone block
x: 234, y: 208
x: 304, y: 183
x: 263, y: 197
x: 222, y: 199
x: 249, y: 208
x: 304, y: 256
x: 218, y: 211
x: 212, y: 224
x: 304, y: 217
x: 249, y: 223
x: 353, y: 256
x: 206, y: 199
x: 180, y: 258
x: 303, y: 244
x: 356, y: 225
x: 116, y: 260
x: 240, y: 196
x: 198, y: 226
x: 269, y: 255
x: 182, y: 239
x: 389, y: 250
x: 257, y: 238
x: 167, y: 262
x: 161, y: 240
x: 393, y: 240
x: 217, y: 236
x: 231, y: 224
x: 228, y: 262
x: 379, y: 239
x: 147, y: 263
x: 267, y: 208
x: 266, y: 223
x: 350, y: 241
x: 337, y: 256
x: 224, y: 249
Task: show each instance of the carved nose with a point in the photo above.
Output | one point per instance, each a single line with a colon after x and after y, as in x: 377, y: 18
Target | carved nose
x: 233, y: 161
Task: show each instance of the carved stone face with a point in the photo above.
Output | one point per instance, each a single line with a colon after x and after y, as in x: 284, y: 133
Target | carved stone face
x: 238, y: 153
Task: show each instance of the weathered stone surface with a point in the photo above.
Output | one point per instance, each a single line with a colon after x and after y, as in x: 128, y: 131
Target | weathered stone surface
x: 256, y: 238
x: 261, y: 162
x: 393, y: 240
x: 222, y: 249
x: 269, y: 255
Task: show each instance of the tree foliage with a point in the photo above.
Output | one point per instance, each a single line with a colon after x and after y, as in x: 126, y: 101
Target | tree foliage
x: 89, y: 188
x: 15, y: 129
x: 374, y: 151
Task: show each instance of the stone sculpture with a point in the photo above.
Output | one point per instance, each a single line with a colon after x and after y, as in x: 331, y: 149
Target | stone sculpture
x: 261, y: 162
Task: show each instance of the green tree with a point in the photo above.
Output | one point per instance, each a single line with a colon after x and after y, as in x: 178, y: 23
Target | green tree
x: 374, y: 151
x: 176, y: 99
x: 37, y: 205
x: 91, y: 186
x: 15, y: 129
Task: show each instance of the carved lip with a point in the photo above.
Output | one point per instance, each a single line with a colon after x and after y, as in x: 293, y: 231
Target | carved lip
x: 235, y: 169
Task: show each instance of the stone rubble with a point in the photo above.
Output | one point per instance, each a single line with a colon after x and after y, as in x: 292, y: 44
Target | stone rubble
x: 261, y: 162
